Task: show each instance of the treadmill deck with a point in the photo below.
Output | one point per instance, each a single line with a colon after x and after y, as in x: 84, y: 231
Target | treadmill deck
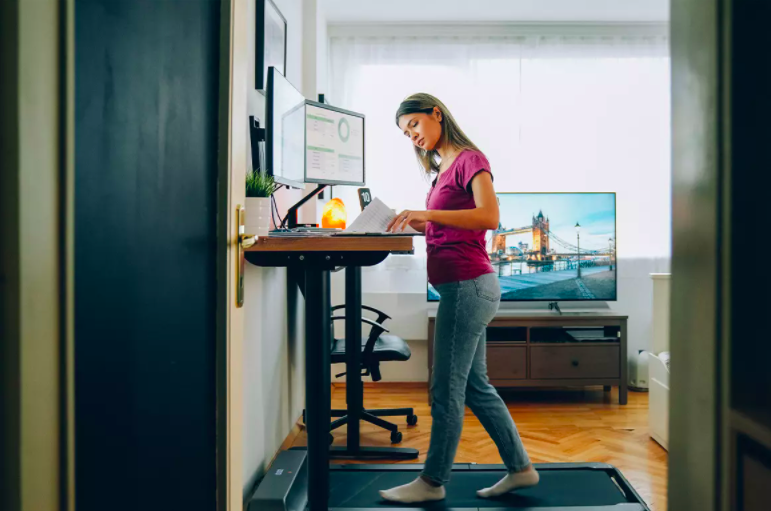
x: 562, y: 486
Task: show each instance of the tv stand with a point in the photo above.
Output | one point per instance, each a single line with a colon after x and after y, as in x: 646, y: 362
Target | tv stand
x: 547, y: 350
x: 555, y: 306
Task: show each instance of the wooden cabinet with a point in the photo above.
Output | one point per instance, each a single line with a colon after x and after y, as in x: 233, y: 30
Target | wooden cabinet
x: 551, y: 350
x: 507, y: 363
x: 565, y: 361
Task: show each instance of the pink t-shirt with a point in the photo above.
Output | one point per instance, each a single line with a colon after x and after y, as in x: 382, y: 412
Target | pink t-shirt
x: 456, y: 254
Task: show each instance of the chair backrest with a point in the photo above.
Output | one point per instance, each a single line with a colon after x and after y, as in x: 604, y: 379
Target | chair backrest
x: 375, y: 331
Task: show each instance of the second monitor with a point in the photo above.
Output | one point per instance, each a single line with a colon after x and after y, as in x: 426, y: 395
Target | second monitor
x: 334, y: 145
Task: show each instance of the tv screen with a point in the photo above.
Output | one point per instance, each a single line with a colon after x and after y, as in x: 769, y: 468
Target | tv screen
x: 554, y: 247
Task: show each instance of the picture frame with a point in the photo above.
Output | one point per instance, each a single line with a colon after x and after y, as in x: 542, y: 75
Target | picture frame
x: 270, y: 43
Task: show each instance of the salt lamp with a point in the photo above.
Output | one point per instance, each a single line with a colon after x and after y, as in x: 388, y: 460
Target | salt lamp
x: 334, y: 215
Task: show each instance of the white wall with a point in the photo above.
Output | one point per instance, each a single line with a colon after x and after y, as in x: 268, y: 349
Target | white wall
x: 322, y: 45
x: 274, y: 381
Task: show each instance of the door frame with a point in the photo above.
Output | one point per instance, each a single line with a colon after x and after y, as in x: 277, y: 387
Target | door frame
x: 700, y: 309
x: 31, y: 245
x: 233, y: 101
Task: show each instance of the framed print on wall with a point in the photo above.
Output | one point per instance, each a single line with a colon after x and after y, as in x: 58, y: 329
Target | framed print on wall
x: 271, y: 41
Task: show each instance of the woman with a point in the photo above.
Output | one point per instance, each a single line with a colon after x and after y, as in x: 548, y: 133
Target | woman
x: 461, y: 207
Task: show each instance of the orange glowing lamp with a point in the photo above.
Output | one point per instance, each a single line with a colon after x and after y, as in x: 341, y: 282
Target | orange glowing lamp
x: 334, y: 215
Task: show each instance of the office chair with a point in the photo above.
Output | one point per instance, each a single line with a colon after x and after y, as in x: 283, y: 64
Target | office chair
x: 379, y: 346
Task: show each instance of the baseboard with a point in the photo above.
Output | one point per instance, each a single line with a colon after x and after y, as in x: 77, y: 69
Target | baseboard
x: 394, y: 384
x: 659, y: 440
x: 290, y: 438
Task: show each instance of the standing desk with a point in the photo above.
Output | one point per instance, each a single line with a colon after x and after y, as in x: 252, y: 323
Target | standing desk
x: 313, y: 258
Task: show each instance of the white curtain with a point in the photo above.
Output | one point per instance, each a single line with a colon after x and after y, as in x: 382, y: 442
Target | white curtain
x: 552, y: 113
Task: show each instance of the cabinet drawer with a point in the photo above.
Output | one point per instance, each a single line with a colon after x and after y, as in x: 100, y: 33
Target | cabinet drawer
x: 561, y: 362
x: 506, y: 363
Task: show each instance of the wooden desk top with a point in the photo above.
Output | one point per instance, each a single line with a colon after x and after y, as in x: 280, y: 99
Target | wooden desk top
x: 333, y: 244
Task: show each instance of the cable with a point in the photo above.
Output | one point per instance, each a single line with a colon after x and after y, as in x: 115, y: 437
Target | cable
x: 273, y: 207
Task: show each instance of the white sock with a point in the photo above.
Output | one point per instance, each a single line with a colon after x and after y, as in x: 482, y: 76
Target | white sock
x: 416, y: 491
x: 512, y: 481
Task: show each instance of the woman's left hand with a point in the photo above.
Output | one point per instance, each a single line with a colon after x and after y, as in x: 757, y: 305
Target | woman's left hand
x: 405, y: 218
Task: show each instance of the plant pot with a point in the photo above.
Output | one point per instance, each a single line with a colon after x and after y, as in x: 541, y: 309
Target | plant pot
x: 257, y: 216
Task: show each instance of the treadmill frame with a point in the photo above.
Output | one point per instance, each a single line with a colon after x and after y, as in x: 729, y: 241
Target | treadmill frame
x: 636, y: 503
x: 286, y: 485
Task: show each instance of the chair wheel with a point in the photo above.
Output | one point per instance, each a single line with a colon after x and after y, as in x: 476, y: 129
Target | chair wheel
x: 412, y: 420
x: 396, y: 437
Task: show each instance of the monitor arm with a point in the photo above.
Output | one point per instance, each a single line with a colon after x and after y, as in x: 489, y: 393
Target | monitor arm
x: 291, y: 214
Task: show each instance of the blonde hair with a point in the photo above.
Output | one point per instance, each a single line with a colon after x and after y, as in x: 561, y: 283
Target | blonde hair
x: 452, y: 135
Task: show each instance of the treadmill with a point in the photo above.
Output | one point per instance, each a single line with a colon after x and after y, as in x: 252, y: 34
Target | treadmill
x: 354, y: 487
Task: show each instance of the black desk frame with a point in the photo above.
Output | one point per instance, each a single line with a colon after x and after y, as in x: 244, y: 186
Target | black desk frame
x: 316, y: 267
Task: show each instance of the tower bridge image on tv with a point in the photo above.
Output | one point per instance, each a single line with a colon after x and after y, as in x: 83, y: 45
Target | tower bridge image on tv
x: 551, y: 266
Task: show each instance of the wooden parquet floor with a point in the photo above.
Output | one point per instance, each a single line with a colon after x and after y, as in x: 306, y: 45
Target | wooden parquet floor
x: 555, y: 426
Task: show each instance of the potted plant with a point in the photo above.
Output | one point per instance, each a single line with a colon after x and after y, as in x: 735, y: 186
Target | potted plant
x: 259, y: 189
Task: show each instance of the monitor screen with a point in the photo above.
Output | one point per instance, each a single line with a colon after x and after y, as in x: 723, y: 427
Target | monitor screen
x: 544, y: 238
x: 334, y: 145
x: 285, y: 137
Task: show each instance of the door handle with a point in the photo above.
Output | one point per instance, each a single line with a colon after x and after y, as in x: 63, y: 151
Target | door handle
x: 247, y: 240
x: 243, y: 241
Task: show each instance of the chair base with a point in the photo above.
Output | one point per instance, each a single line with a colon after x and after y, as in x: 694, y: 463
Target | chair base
x: 373, y: 417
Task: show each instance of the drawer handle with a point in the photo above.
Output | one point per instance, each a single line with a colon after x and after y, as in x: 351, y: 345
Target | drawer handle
x: 575, y: 363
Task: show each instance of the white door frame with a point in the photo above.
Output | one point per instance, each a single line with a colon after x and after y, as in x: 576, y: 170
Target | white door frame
x: 234, y: 66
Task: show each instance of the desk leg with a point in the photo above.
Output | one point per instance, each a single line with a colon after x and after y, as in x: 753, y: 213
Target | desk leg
x: 354, y: 393
x: 317, y: 385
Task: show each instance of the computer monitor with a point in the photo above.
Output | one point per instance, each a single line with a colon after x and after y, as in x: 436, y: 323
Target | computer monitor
x: 334, y: 145
x: 285, y: 136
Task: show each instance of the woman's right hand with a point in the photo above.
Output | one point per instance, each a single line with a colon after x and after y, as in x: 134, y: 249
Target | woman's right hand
x: 415, y: 219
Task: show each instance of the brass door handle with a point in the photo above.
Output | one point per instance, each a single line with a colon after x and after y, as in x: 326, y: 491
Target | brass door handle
x: 243, y: 241
x: 247, y: 240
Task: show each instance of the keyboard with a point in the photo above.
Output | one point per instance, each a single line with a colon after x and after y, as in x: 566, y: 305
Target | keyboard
x: 307, y: 229
x: 304, y: 231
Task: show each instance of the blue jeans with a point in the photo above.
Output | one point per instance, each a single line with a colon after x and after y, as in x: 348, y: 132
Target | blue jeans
x: 460, y: 377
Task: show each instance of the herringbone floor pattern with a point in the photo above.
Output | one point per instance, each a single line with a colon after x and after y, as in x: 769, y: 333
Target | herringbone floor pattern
x: 555, y: 426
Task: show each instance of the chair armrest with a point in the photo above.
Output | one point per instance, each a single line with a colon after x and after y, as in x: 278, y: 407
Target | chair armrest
x: 381, y: 316
x: 374, y: 324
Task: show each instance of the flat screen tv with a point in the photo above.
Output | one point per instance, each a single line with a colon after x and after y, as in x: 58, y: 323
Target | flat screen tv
x: 554, y: 247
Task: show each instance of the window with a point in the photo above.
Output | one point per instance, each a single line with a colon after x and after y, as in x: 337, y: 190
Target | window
x: 551, y: 113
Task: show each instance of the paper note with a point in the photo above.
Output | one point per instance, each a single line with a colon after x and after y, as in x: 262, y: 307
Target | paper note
x: 375, y: 218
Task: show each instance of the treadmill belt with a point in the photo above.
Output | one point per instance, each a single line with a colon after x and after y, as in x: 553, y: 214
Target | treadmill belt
x: 557, y: 488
